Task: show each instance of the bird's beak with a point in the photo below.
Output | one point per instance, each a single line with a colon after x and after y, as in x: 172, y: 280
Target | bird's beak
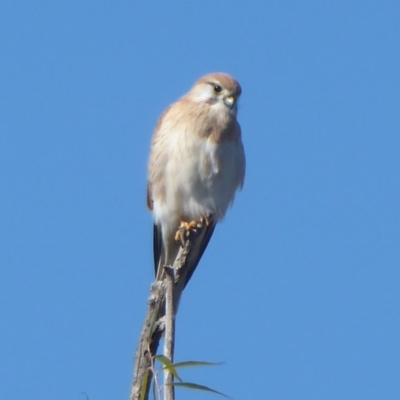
x: 229, y: 101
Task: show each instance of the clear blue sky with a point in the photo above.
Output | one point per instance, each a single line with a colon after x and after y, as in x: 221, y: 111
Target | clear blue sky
x: 299, y: 290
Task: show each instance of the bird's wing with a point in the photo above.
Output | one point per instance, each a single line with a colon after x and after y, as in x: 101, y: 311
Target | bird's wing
x: 199, y: 241
x: 157, y: 246
x: 198, y: 246
x: 197, y: 250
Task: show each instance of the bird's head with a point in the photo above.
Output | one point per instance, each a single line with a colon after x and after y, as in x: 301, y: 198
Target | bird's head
x: 221, y: 91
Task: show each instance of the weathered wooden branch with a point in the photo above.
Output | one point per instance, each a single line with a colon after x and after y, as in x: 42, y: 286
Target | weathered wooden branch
x: 150, y: 336
x: 154, y: 324
x: 169, y: 339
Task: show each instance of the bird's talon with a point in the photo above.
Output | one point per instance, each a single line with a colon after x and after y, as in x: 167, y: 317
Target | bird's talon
x: 184, y: 230
x: 187, y: 226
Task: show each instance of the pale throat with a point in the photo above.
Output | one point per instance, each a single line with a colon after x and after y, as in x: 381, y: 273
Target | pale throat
x: 221, y: 111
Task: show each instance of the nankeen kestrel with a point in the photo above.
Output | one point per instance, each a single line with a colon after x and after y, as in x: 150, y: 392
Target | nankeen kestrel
x: 196, y: 164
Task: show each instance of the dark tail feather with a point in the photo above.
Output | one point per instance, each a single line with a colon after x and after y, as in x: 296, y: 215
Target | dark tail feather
x: 195, y: 256
x: 157, y: 246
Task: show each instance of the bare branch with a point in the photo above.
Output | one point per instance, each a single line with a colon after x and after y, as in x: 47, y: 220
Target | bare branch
x: 150, y: 336
x: 169, y: 340
x: 154, y: 324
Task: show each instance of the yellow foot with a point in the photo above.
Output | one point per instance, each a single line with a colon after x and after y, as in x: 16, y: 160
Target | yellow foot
x: 186, y: 227
x: 183, y: 229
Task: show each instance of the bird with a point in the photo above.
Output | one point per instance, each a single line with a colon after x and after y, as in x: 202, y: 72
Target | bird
x: 196, y: 165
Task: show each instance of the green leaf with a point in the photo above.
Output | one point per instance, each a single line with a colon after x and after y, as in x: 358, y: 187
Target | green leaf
x: 163, y: 360
x: 195, y: 386
x: 167, y: 364
x: 144, y: 385
x: 195, y: 364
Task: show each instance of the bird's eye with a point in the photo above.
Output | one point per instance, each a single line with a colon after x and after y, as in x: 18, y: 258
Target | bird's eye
x: 217, y: 88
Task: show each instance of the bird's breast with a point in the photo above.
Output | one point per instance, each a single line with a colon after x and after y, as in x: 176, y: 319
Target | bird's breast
x: 204, y: 179
x: 199, y: 171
